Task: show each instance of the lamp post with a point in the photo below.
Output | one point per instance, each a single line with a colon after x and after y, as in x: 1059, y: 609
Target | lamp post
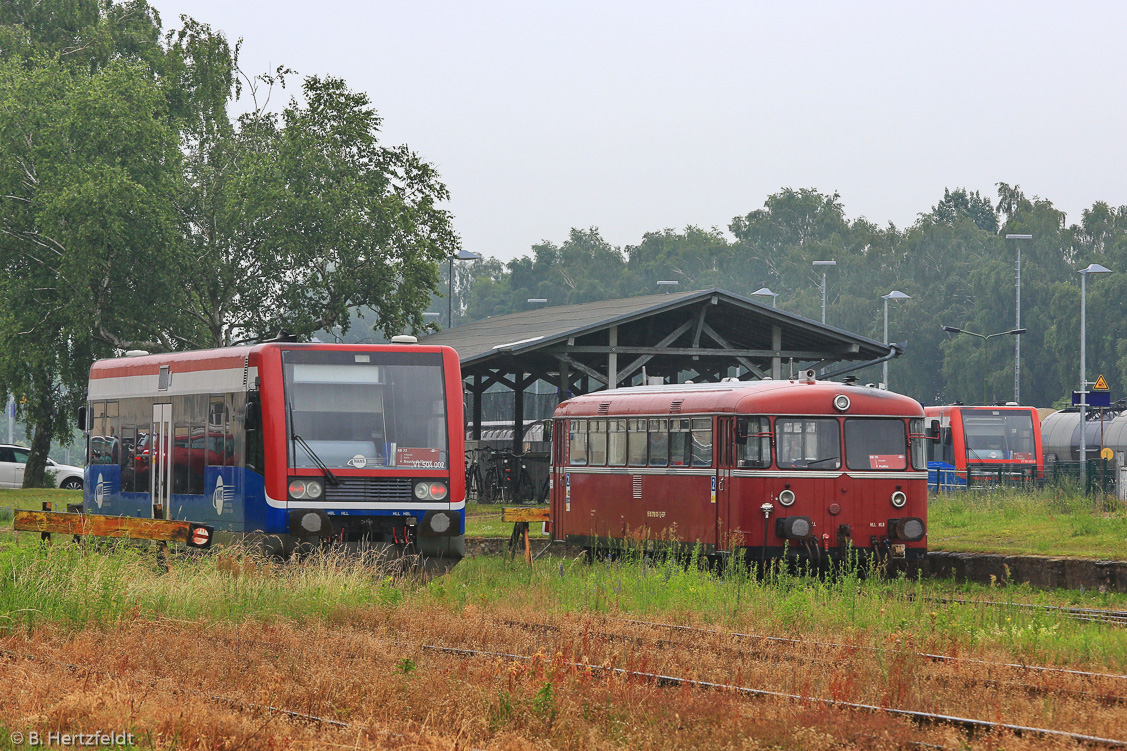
x: 1017, y: 320
x: 1092, y: 268
x: 893, y: 295
x: 985, y: 341
x: 462, y: 255
x: 764, y: 292
x: 824, y: 264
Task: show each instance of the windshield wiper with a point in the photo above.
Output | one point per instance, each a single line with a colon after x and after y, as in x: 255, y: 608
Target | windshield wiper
x: 316, y: 460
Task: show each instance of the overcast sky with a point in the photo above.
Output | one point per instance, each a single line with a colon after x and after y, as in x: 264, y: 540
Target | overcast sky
x: 638, y: 116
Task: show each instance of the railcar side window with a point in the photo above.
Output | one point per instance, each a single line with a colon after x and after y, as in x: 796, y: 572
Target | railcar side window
x: 616, y: 443
x: 659, y: 443
x: 919, y: 443
x: 680, y: 446
x: 757, y: 451
x: 578, y: 442
x: 808, y: 443
x: 875, y: 444
x: 597, y: 443
x: 636, y: 442
x: 702, y: 441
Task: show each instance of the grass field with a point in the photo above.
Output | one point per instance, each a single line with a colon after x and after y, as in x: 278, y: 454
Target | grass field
x: 232, y: 651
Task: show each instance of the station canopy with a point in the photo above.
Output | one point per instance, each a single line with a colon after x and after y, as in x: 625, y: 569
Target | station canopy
x: 704, y: 335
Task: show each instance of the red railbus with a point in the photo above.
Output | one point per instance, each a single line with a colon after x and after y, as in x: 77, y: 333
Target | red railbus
x: 285, y: 444
x: 801, y: 469
x: 989, y: 445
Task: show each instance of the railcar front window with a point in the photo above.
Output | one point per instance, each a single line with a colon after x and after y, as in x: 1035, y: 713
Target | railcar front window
x: 808, y: 443
x: 993, y: 435
x: 756, y: 452
x: 367, y: 409
x: 875, y: 444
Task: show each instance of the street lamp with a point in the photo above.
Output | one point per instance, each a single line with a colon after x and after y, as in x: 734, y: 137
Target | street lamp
x: 824, y: 264
x: 985, y: 341
x: 893, y: 295
x: 1017, y: 320
x: 1092, y: 268
x: 462, y: 255
x: 764, y: 292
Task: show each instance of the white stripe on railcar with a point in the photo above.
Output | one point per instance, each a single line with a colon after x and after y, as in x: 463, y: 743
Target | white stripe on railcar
x: 181, y: 384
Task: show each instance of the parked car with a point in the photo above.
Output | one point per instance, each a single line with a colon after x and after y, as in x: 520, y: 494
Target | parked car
x: 12, y: 461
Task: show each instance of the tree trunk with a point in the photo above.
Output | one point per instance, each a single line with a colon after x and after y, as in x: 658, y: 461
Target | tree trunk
x: 33, y: 476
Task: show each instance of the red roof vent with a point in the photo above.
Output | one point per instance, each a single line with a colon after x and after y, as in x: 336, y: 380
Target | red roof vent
x: 675, y: 407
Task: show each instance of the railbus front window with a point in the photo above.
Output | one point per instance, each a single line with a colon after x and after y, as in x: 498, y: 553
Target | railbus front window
x: 756, y: 452
x: 367, y: 409
x: 875, y: 444
x: 808, y: 443
x: 997, y: 434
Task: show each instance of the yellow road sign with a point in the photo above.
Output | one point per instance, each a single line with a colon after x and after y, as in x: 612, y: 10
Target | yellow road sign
x: 1107, y: 454
x: 1101, y: 385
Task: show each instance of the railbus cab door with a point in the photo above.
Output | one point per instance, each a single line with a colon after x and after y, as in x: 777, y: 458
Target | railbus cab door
x: 723, y: 453
x: 160, y: 454
x: 557, y: 491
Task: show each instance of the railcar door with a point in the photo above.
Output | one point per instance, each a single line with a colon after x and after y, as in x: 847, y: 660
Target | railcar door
x: 722, y: 454
x: 160, y: 454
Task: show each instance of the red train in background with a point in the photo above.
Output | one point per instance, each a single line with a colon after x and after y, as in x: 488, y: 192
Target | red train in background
x: 800, y: 468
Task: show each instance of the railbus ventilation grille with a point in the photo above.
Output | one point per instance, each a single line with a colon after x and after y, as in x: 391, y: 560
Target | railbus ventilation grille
x: 370, y: 490
x: 637, y: 486
x: 675, y: 407
x: 604, y: 408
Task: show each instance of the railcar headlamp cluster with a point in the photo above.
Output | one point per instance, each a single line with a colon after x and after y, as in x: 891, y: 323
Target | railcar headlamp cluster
x: 899, y: 499
x: 786, y: 497
x: 305, y: 489
x: 430, y: 491
x: 841, y: 402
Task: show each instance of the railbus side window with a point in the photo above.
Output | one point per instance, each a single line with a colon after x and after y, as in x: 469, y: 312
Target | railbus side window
x: 875, y: 444
x: 702, y: 441
x: 920, y: 443
x: 680, y: 444
x: 98, y: 445
x: 636, y: 442
x: 597, y: 443
x: 659, y: 442
x: 616, y: 443
x: 756, y: 452
x: 808, y: 443
x: 578, y: 442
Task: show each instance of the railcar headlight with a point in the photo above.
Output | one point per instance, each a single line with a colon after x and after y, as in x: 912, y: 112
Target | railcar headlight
x: 841, y: 402
x: 422, y: 490
x: 313, y: 489
x: 297, y: 489
x: 908, y: 529
x: 899, y: 500
x: 437, y: 491
x: 786, y: 497
x: 797, y: 528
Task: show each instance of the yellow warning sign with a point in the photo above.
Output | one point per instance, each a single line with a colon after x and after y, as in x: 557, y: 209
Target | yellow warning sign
x: 1101, y: 384
x: 1107, y: 454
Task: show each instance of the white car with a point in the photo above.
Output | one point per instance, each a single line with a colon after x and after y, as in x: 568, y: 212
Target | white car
x: 12, y: 461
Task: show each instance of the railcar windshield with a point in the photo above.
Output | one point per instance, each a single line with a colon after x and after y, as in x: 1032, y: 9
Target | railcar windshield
x: 995, y: 435
x: 876, y: 444
x: 366, y: 409
x: 808, y: 443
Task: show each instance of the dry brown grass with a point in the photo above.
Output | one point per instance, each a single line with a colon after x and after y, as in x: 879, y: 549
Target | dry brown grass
x: 208, y: 685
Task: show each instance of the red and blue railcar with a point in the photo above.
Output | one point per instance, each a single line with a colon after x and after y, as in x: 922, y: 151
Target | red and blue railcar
x: 285, y: 443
